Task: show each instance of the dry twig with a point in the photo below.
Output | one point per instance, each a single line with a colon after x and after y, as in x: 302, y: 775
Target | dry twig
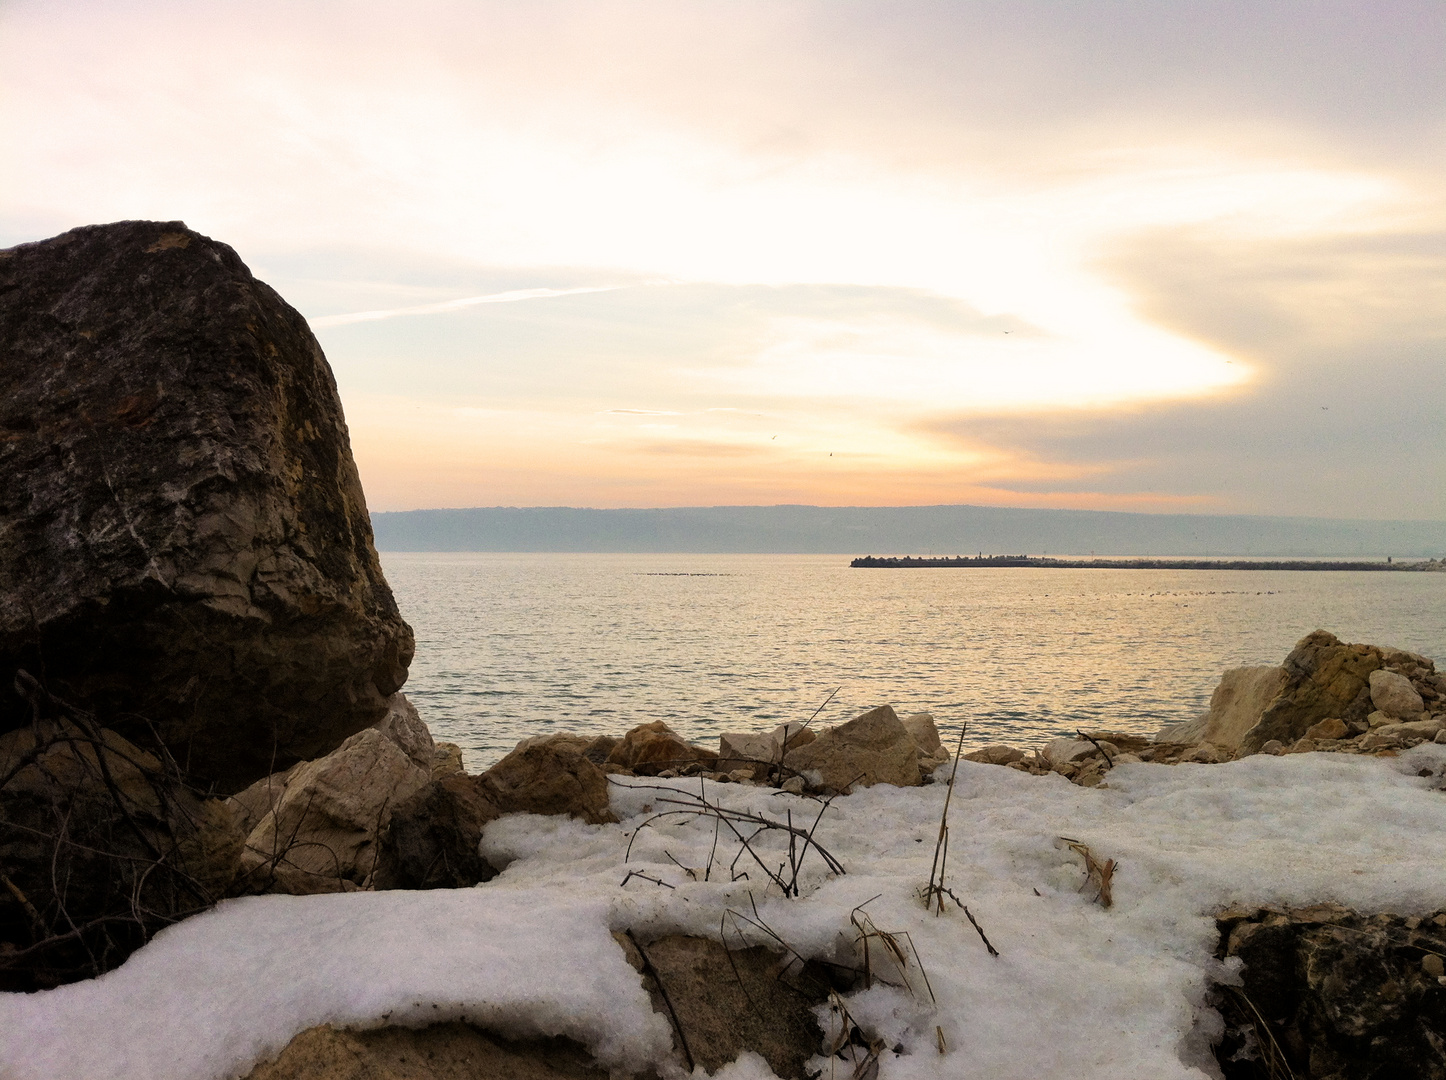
x: 1100, y: 874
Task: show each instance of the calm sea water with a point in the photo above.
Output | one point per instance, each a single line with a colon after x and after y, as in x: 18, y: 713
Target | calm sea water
x: 510, y: 645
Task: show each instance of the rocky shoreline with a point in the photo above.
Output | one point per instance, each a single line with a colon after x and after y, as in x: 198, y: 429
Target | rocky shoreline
x: 202, y: 726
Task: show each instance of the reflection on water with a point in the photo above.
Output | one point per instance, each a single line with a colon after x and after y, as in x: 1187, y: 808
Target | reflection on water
x: 510, y: 645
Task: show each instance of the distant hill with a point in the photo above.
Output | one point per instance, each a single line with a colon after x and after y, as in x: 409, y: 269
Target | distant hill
x: 898, y: 530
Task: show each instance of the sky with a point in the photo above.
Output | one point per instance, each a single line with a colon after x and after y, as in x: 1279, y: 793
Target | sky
x: 1159, y: 255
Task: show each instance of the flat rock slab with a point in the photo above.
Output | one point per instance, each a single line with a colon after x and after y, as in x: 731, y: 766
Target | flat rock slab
x: 184, y: 545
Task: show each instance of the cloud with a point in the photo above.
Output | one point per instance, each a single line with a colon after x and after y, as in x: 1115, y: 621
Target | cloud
x: 1006, y: 252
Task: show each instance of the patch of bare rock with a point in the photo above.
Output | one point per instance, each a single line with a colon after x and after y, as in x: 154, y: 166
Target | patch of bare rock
x: 441, y: 1052
x: 1326, y: 992
x: 1328, y: 696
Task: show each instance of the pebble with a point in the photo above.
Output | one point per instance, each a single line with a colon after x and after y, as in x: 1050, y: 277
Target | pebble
x: 1432, y: 965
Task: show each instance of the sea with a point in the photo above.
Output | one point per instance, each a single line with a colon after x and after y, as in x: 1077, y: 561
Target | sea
x: 514, y: 645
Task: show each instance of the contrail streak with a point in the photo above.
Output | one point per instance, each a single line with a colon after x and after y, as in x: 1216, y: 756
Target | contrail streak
x: 454, y: 305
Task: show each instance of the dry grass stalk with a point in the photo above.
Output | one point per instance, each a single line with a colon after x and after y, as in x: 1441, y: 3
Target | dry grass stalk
x: 746, y: 827
x: 1109, y: 764
x: 117, y: 869
x: 890, y: 940
x: 850, y: 1038
x: 935, y: 893
x: 1100, y: 874
x: 1276, y: 1065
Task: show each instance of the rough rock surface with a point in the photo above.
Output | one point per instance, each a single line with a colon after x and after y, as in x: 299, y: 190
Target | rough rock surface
x: 1326, y: 678
x: 873, y: 748
x: 1394, y: 695
x: 440, y: 1052
x: 650, y: 749
x: 1329, y: 993
x: 728, y: 1001
x: 98, y: 834
x: 548, y: 775
x: 183, y: 536
x: 406, y: 728
x: 745, y: 750
x: 446, y: 760
x: 995, y: 754
x: 322, y: 831
x: 1326, y: 730
x: 921, y: 729
x: 1239, y: 700
x: 433, y: 837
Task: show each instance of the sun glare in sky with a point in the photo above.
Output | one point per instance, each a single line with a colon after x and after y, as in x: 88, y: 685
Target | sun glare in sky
x: 1127, y: 255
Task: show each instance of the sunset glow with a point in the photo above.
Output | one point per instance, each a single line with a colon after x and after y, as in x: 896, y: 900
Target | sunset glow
x: 632, y: 255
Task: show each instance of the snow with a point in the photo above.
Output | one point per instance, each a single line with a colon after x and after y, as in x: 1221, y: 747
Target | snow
x: 1078, y: 990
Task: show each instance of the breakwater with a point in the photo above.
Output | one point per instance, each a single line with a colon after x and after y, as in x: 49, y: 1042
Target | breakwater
x: 971, y: 561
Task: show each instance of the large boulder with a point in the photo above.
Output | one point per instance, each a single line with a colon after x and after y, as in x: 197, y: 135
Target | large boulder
x: 873, y: 748
x: 1239, y: 701
x: 405, y: 727
x: 183, y: 537
x: 1327, y: 678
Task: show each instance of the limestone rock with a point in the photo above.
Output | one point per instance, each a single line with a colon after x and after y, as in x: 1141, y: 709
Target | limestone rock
x: 1206, y: 754
x: 322, y: 832
x: 433, y: 837
x: 743, y: 751
x: 1186, y: 731
x: 921, y: 729
x: 1064, y: 750
x: 404, y: 727
x: 184, y: 533
x: 96, y: 833
x: 253, y: 803
x: 446, y: 760
x: 873, y: 748
x: 1394, y: 695
x: 796, y: 735
x: 1327, y: 730
x: 549, y: 775
x: 649, y: 749
x: 1381, y: 739
x: 758, y: 750
x: 1239, y: 701
x: 1413, y: 729
x: 440, y: 1052
x: 997, y: 754
x: 1325, y: 678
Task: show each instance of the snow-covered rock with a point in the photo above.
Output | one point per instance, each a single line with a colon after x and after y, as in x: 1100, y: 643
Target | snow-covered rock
x: 1077, y: 990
